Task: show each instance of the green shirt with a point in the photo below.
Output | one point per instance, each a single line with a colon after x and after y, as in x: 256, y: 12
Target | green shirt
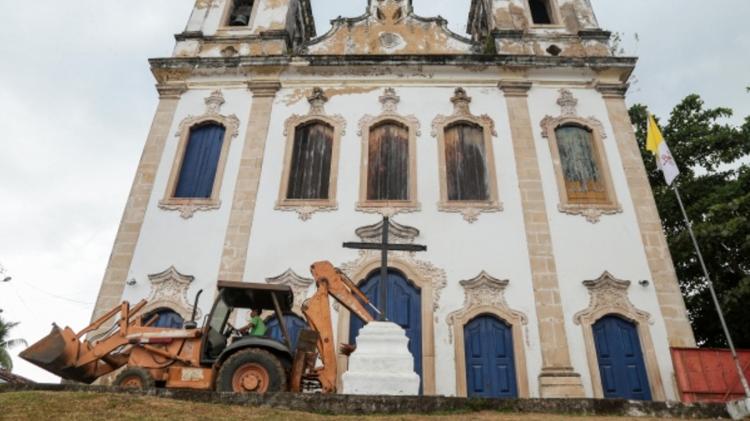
x: 259, y: 327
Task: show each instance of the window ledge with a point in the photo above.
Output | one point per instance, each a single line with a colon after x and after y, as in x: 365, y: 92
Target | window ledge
x: 470, y: 209
x: 592, y: 212
x: 389, y: 207
x: 188, y: 207
x: 305, y: 208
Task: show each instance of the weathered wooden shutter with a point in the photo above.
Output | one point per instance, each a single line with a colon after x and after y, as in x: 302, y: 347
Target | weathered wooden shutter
x: 388, y: 165
x: 200, y: 162
x: 466, y: 163
x: 310, y: 172
x: 581, y: 168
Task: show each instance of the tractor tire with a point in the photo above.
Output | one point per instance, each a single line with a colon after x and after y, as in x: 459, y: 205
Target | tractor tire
x: 134, y: 378
x: 251, y: 371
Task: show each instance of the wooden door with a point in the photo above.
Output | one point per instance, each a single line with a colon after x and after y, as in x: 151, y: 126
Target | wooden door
x: 490, y: 361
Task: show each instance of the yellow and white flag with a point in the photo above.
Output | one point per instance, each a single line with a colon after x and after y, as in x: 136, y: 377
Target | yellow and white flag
x: 656, y: 144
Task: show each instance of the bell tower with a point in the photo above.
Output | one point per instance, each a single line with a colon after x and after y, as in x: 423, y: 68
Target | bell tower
x: 566, y: 28
x: 229, y: 28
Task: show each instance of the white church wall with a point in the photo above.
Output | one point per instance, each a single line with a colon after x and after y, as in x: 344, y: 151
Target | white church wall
x: 583, y: 251
x: 193, y: 246
x: 280, y: 240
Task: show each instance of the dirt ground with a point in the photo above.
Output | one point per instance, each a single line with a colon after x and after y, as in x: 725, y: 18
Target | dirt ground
x: 95, y: 406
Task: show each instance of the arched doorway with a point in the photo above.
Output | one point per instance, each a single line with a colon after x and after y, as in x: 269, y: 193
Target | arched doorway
x: 620, y: 358
x: 490, y: 360
x: 294, y: 325
x: 404, y: 307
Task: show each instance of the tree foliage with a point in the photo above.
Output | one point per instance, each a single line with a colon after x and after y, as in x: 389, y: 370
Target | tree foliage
x: 6, y: 344
x: 715, y: 185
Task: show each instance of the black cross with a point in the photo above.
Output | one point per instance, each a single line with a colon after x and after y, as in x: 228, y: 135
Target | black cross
x: 384, y: 248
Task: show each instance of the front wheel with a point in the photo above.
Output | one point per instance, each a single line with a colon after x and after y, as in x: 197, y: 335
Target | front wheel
x: 134, y: 378
x: 251, y: 371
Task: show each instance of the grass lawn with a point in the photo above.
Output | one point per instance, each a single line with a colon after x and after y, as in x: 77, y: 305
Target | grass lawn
x: 103, y: 406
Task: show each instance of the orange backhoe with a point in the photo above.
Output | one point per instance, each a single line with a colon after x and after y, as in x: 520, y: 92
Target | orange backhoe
x: 217, y: 356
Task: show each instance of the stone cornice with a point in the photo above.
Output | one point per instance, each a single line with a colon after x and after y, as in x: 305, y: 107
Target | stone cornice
x: 515, y: 88
x: 612, y: 90
x: 180, y: 68
x: 264, y: 88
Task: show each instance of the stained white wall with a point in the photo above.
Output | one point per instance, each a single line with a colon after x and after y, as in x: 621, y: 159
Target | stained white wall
x: 496, y: 243
x: 193, y: 246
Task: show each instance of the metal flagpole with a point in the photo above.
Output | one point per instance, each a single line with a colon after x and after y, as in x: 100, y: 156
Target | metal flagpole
x: 743, y: 379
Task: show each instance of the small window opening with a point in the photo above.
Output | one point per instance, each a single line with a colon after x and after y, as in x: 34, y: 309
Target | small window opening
x: 540, y: 12
x: 241, y: 12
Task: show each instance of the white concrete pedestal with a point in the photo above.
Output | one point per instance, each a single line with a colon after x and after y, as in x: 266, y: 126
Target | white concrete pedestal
x: 740, y: 409
x: 382, y: 363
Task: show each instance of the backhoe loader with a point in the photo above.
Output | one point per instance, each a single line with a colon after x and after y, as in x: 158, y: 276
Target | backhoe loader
x: 217, y: 356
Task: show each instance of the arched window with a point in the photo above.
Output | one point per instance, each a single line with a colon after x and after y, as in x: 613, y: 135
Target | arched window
x: 388, y: 162
x: 200, y: 162
x: 581, y: 167
x: 241, y: 12
x: 166, y: 318
x: 466, y: 163
x: 541, y: 12
x: 310, y: 171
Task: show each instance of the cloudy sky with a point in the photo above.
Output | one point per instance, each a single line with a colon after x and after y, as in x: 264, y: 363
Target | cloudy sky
x: 77, y: 98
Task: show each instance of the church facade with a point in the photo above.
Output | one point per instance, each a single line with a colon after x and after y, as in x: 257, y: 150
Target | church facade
x: 507, y: 151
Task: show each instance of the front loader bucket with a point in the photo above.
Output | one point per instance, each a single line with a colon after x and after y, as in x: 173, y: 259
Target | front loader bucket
x: 57, y: 353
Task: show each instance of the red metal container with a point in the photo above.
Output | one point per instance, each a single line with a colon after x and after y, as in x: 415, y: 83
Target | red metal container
x: 709, y: 375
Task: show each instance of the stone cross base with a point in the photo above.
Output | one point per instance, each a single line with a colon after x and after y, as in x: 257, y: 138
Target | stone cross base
x: 382, y: 363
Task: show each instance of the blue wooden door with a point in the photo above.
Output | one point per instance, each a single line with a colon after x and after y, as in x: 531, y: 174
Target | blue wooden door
x: 490, y: 363
x: 294, y: 325
x: 404, y: 309
x: 618, y: 350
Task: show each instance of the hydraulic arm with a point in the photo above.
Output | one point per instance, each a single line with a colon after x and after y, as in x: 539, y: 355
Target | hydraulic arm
x: 331, y: 281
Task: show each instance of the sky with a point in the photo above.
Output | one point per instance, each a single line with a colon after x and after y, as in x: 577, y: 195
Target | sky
x: 77, y: 99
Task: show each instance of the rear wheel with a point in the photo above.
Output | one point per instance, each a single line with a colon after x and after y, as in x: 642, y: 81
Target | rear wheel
x: 134, y: 378
x: 251, y: 371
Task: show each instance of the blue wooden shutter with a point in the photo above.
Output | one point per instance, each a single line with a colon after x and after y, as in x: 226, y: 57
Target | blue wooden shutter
x: 490, y: 361
x: 294, y: 325
x: 200, y: 162
x: 621, y: 366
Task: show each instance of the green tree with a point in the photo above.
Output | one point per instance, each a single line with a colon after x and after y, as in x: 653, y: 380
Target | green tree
x: 716, y: 190
x: 6, y: 344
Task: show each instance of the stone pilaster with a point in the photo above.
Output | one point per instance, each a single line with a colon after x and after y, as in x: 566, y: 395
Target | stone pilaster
x: 664, y: 277
x: 557, y: 379
x: 116, y: 273
x: 237, y: 238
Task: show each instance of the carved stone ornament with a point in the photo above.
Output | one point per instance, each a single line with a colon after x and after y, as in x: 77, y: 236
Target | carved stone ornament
x: 189, y: 206
x: 569, y: 115
x: 305, y: 208
x: 391, y: 12
x: 400, y: 234
x: 300, y: 286
x: 169, y: 289
x: 389, y: 101
x: 484, y: 291
x: 609, y: 295
x: 471, y: 210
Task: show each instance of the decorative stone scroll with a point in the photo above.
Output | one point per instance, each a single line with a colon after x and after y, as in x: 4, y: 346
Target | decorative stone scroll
x: 300, y: 286
x: 609, y: 296
x: 485, y: 295
x: 462, y: 113
x: 169, y: 289
x: 389, y: 101
x: 189, y: 206
x: 569, y: 115
x: 305, y: 208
